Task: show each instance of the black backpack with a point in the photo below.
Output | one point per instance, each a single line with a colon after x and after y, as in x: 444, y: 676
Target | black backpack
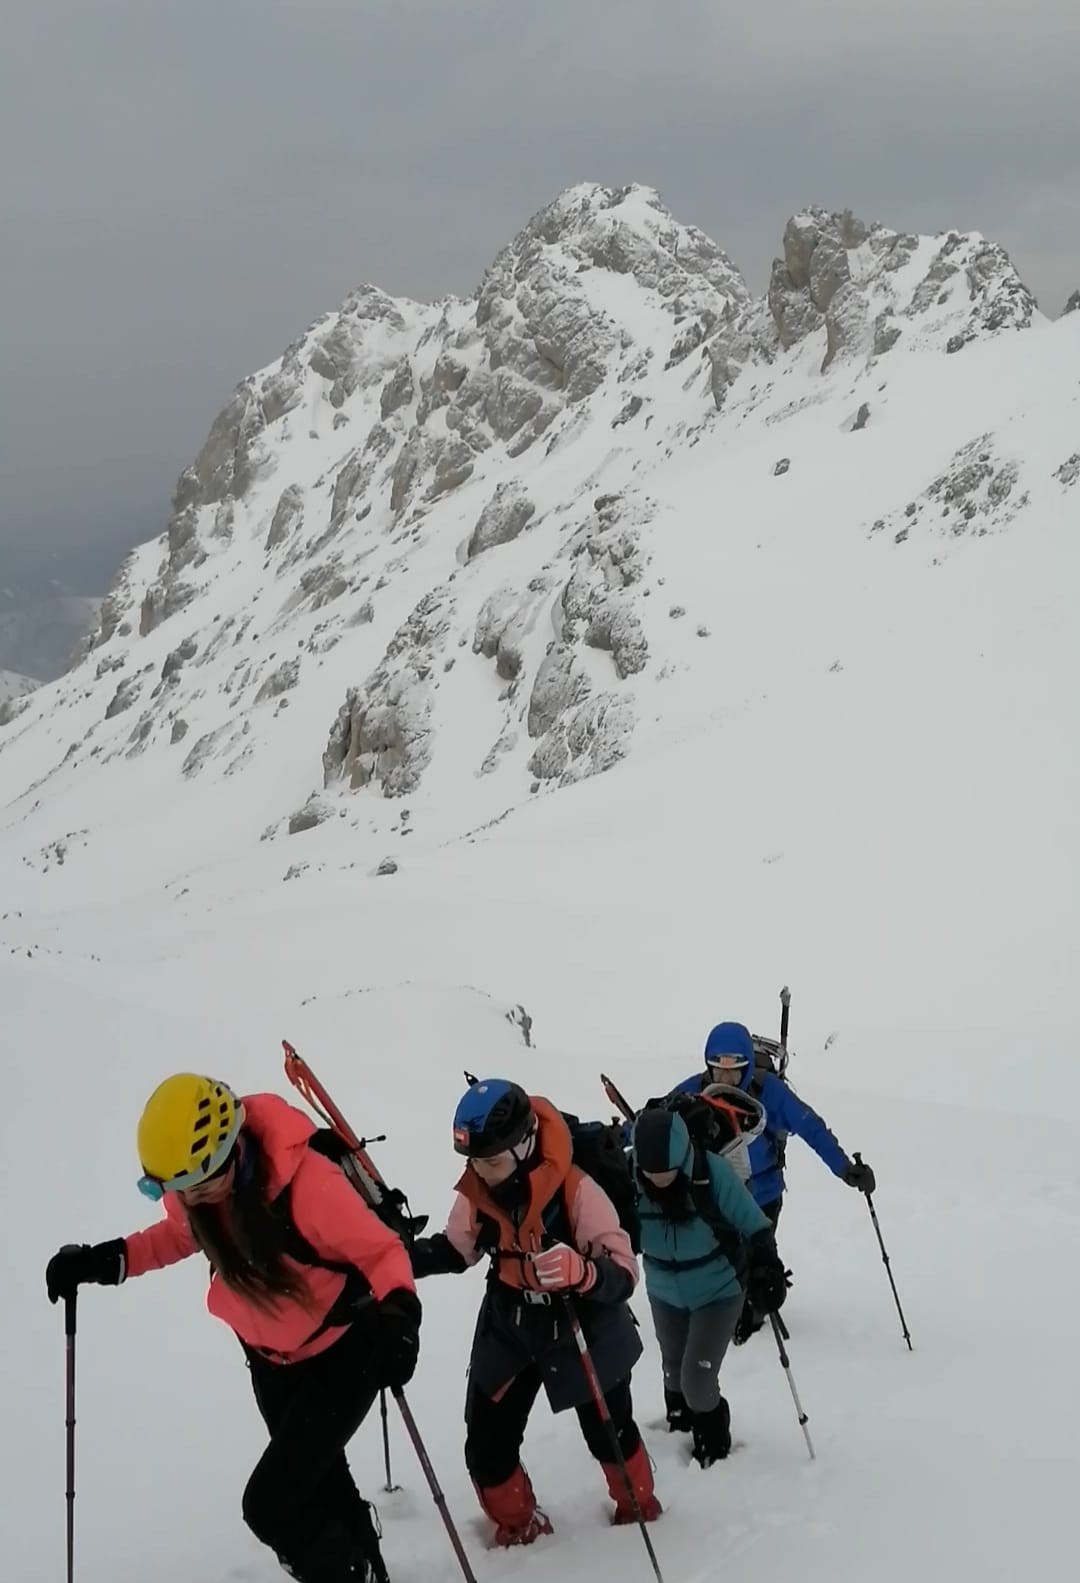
x: 769, y: 1056
x: 389, y: 1203
x: 599, y: 1152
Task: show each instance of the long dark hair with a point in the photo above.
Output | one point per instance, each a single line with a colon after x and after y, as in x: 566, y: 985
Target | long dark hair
x: 243, y: 1235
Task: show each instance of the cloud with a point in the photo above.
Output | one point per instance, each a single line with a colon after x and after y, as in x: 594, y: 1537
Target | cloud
x: 185, y: 187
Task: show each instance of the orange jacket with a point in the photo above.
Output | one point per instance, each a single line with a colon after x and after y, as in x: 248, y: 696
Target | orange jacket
x: 324, y: 1208
x: 554, y: 1174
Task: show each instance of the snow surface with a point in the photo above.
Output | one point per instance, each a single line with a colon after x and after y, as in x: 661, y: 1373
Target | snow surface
x: 862, y: 781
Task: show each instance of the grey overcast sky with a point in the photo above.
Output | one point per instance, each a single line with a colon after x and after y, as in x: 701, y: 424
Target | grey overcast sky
x: 186, y: 184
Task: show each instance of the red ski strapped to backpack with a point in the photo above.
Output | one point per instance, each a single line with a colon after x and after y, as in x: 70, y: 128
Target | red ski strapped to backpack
x: 340, y: 1143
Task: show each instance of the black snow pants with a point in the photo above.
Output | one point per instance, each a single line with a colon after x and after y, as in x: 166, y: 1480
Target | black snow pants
x: 301, y: 1500
x: 495, y: 1427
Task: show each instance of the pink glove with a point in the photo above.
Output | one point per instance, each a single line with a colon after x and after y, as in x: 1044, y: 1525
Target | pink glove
x: 563, y: 1269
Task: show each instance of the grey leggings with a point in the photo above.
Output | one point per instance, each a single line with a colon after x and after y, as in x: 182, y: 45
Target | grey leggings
x: 692, y: 1345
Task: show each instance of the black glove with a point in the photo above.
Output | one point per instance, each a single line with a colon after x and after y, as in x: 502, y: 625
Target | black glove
x: 397, y: 1339
x: 860, y: 1175
x: 767, y: 1283
x: 434, y: 1256
x: 79, y: 1264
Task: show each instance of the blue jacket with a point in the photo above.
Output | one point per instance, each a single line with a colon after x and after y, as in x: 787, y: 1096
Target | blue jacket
x: 785, y: 1112
x: 680, y: 1259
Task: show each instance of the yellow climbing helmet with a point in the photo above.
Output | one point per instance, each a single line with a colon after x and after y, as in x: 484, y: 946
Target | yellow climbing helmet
x: 186, y: 1132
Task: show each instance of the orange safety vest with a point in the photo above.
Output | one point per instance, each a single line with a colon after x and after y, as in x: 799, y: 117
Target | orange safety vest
x: 520, y: 1238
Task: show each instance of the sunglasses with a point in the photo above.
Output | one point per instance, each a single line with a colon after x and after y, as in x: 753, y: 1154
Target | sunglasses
x: 153, y: 1188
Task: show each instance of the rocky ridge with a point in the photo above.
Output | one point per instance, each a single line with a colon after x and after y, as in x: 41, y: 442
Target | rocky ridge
x: 307, y: 519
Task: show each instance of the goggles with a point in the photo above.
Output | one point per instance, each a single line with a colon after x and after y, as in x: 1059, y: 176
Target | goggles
x: 726, y: 1063
x: 214, y: 1165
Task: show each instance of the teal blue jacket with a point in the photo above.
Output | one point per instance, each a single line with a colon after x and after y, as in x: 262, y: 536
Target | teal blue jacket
x: 682, y: 1264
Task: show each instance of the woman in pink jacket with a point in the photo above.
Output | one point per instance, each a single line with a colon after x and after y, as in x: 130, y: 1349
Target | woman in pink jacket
x: 554, y: 1241
x: 318, y: 1290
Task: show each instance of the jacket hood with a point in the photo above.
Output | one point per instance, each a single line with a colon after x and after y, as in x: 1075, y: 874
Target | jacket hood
x: 283, y: 1132
x: 661, y: 1141
x: 732, y: 1038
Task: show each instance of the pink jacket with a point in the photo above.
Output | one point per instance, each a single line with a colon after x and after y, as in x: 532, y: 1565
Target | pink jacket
x: 325, y: 1209
x: 593, y: 1222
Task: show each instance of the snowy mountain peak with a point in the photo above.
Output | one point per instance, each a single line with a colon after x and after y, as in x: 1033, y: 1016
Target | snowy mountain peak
x: 447, y: 542
x: 866, y: 286
x: 627, y: 230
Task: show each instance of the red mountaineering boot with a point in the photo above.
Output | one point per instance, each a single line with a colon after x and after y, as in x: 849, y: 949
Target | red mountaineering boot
x: 639, y: 1471
x: 512, y: 1508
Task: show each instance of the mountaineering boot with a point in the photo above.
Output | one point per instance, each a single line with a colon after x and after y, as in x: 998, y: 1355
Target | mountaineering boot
x: 512, y: 1508
x: 364, y: 1527
x: 639, y: 1472
x: 712, y: 1435
x: 330, y: 1557
x: 679, y: 1418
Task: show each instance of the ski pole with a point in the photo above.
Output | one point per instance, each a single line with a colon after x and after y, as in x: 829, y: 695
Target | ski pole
x: 433, y: 1484
x: 885, y: 1260
x: 774, y: 1320
x: 785, y: 1015
x: 389, y: 1486
x: 69, y: 1338
x: 605, y: 1415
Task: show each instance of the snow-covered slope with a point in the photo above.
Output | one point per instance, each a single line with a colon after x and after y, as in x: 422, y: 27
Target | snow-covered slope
x: 802, y: 587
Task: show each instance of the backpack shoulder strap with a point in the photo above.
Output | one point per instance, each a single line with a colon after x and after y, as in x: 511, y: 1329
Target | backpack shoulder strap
x: 564, y: 1199
x: 729, y: 1240
x: 487, y: 1232
x: 356, y: 1289
x: 295, y: 1245
x: 777, y: 1136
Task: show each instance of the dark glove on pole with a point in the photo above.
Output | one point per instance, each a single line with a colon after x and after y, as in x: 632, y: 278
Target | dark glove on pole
x: 397, y: 1339
x: 767, y: 1281
x: 860, y: 1176
x: 78, y: 1264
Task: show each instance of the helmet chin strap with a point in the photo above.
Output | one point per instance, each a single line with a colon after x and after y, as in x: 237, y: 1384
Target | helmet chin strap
x: 525, y: 1150
x: 513, y: 1191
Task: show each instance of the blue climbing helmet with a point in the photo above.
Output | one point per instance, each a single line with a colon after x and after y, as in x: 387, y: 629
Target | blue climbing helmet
x: 729, y: 1053
x: 493, y: 1114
